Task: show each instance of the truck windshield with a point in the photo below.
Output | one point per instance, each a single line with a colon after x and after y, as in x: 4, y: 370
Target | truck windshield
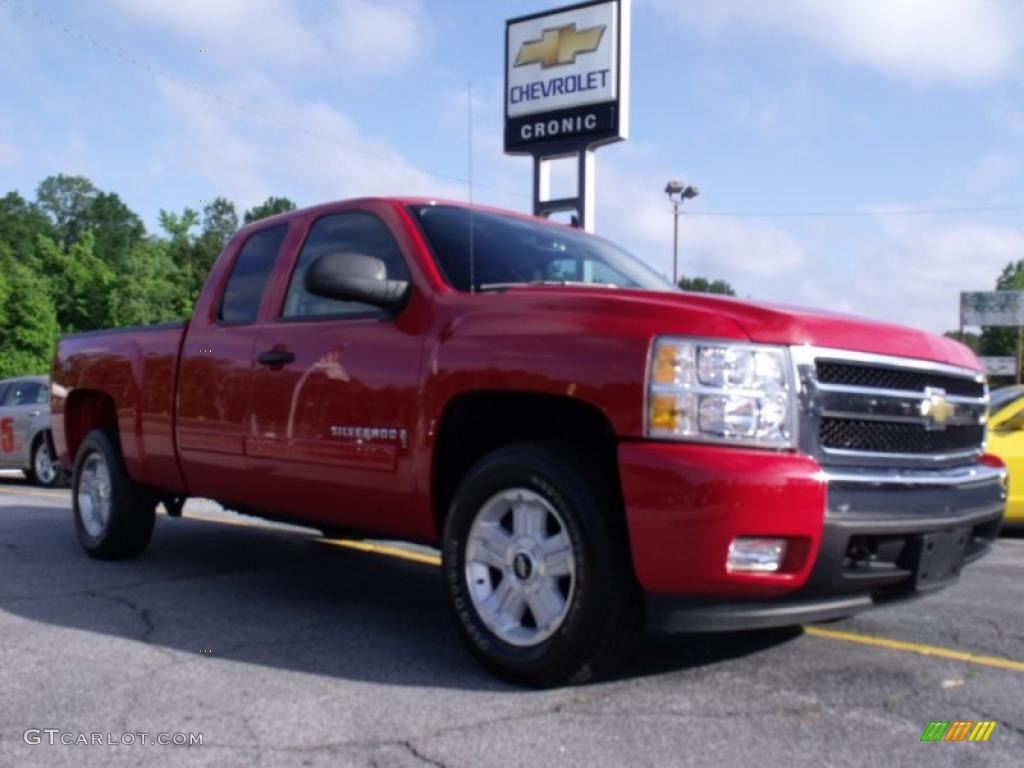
x: 508, y: 251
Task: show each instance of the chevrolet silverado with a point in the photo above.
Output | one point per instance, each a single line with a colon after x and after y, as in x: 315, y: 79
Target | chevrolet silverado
x: 592, y: 450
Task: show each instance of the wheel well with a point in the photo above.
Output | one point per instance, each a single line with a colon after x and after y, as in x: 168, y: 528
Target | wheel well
x: 475, y: 424
x: 85, y: 411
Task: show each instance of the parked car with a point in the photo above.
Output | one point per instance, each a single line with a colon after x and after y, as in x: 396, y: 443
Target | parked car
x: 1006, y: 440
x: 25, y: 440
x: 590, y: 447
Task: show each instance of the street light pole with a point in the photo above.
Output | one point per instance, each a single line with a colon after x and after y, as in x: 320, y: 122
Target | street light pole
x: 678, y: 192
x: 675, y: 243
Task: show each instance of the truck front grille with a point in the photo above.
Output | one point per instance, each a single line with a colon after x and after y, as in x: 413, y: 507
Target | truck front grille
x: 874, y: 377
x: 863, y: 409
x: 888, y: 437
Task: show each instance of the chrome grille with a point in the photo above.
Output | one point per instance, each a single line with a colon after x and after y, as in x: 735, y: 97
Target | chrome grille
x: 862, y: 409
x: 886, y: 437
x: 852, y: 374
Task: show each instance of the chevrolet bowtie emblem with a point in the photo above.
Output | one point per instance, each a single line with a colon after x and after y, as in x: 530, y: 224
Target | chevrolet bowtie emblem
x: 559, y: 46
x: 936, y: 408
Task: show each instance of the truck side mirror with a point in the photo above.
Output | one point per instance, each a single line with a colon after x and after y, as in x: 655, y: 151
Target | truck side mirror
x: 354, y: 277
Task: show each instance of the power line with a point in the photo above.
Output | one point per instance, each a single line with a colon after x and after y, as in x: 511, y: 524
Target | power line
x: 164, y: 74
x: 863, y: 213
x: 349, y: 147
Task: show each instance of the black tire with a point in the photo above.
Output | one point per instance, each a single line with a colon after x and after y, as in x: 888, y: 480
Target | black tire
x: 56, y: 479
x: 604, y: 614
x: 132, y: 508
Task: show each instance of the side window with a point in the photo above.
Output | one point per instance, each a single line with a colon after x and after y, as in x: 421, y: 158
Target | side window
x: 360, y: 233
x: 4, y: 391
x: 241, y: 300
x: 43, y: 398
x: 26, y: 392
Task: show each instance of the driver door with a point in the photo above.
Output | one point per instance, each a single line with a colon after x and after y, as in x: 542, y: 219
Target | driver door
x: 334, y: 393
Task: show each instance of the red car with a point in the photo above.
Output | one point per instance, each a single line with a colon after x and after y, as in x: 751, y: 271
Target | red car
x: 591, y: 449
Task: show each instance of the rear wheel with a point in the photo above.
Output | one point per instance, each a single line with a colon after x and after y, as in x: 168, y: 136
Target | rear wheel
x: 536, y: 571
x: 113, y: 515
x: 44, y: 470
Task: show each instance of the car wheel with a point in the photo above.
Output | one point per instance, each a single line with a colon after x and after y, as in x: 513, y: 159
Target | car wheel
x: 536, y: 567
x: 113, y: 515
x: 44, y: 470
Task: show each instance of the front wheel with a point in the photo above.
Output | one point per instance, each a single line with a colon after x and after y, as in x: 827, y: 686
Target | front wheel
x: 114, y: 516
x: 536, y: 567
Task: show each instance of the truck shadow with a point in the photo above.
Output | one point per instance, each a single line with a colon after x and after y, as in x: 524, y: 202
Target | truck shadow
x: 277, y: 598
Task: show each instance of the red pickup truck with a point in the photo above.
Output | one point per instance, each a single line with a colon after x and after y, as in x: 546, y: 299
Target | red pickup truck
x: 591, y: 449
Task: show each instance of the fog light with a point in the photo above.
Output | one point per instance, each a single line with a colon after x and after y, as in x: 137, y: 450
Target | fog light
x: 755, y: 555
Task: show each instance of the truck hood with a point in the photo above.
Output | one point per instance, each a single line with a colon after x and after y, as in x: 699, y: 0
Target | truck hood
x: 772, y: 323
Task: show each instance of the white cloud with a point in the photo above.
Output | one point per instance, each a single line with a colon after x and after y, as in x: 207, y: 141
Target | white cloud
x: 633, y: 205
x: 904, y: 269
x: 348, y: 37
x: 992, y: 171
x: 8, y: 154
x: 907, y: 270
x: 246, y: 160
x: 962, y: 41
x: 377, y: 37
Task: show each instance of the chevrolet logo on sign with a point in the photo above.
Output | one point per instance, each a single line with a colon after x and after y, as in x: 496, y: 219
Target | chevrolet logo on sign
x: 559, y: 46
x: 936, y: 408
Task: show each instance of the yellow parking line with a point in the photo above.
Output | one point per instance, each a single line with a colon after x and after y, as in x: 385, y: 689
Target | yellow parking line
x: 362, y: 546
x: 379, y: 549
x: 30, y: 492
x: 918, y: 648
x: 814, y: 631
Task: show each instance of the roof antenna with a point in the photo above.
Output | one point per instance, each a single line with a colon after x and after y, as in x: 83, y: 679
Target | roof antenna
x: 469, y: 151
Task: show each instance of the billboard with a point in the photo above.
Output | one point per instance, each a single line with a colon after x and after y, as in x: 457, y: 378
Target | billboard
x: 567, y: 78
x: 992, y: 308
x: 999, y: 366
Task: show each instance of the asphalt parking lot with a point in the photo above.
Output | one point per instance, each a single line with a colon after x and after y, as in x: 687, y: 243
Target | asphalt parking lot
x: 285, y: 650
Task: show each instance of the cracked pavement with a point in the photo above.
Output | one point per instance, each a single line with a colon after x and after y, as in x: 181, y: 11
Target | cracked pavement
x: 285, y: 651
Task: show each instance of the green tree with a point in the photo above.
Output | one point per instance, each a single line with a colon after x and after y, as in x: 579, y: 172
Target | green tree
x: 220, y: 220
x: 149, y: 289
x: 703, y: 285
x: 66, y: 200
x: 181, y: 247
x: 269, y: 207
x: 115, y: 227
x: 75, y: 206
x: 21, y: 225
x: 80, y: 284
x: 28, y: 320
x: 1003, y: 341
x: 972, y: 340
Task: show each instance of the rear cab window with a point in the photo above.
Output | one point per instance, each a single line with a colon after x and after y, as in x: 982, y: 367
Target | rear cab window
x: 240, y: 302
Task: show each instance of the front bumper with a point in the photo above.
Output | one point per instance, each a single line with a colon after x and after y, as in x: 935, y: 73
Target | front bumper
x: 857, y: 537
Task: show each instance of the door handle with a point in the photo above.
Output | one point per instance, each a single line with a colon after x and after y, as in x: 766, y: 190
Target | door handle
x: 274, y: 357
x: 34, y: 413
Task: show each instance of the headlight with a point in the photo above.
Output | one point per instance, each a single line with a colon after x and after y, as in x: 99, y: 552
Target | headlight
x: 721, y: 392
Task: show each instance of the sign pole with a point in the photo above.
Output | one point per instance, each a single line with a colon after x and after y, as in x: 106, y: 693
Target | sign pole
x: 1020, y: 334
x: 566, y: 94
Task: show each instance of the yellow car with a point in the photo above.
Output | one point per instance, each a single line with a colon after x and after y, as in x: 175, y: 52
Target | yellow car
x: 1006, y: 440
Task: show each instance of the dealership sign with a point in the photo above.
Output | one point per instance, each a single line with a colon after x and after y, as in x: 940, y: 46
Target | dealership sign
x: 992, y: 309
x: 566, y: 78
x: 999, y: 366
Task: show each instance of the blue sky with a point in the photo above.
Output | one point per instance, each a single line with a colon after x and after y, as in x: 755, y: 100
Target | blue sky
x: 774, y: 106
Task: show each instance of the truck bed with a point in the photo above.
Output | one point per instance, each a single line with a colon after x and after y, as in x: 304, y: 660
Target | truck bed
x: 136, y: 368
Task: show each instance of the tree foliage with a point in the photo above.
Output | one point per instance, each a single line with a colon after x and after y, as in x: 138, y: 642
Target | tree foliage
x: 269, y: 207
x: 78, y: 258
x: 703, y: 285
x: 1003, y: 341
